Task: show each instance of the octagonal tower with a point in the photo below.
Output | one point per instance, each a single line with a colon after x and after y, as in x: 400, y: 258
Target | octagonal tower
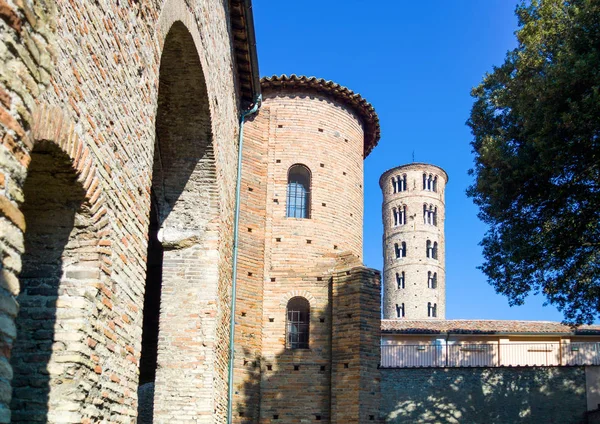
x: 414, y: 280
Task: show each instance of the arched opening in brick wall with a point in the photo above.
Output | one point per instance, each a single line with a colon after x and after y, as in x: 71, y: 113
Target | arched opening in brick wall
x: 177, y: 369
x: 54, y: 376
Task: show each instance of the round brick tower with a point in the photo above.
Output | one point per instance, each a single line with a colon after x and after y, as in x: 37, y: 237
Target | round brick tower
x: 414, y: 280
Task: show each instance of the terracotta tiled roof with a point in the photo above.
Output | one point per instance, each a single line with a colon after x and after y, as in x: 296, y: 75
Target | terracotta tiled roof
x: 463, y: 326
x: 340, y: 93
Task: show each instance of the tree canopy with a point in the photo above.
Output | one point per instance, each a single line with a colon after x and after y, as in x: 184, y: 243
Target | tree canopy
x: 536, y: 129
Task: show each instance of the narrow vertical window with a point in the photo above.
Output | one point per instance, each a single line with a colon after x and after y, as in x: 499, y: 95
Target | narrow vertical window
x: 298, y: 192
x: 394, y: 185
x: 400, y: 279
x: 429, y: 310
x: 435, y: 251
x: 424, y: 214
x: 424, y: 181
x: 435, y: 184
x: 429, y: 279
x: 402, y: 215
x: 298, y: 319
x: 400, y: 310
x: 404, y: 249
x: 429, y: 249
x: 434, y: 310
x: 435, y: 216
x: 396, y: 250
x: 434, y: 281
x: 404, y: 185
x: 395, y: 215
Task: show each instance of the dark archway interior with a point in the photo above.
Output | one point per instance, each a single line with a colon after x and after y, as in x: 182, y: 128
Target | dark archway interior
x: 58, y: 231
x: 182, y: 195
x: 151, y: 301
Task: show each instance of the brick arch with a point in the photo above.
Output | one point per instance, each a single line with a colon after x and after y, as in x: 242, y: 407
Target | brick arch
x: 51, y: 125
x: 297, y: 293
x: 65, y: 290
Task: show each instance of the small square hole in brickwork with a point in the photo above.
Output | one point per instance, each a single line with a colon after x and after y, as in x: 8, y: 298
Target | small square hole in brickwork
x: 250, y: 189
x: 323, y: 204
x: 349, y: 315
x: 296, y: 367
x: 321, y: 319
x: 344, y: 172
x: 269, y: 367
x: 347, y: 272
x: 322, y: 367
x: 245, y: 362
x: 249, y: 230
x: 346, y: 140
x: 371, y: 417
x: 275, y: 417
x: 317, y: 418
x: 360, y: 185
x: 241, y: 414
x: 322, y: 165
x: 346, y: 365
x: 278, y: 161
x: 279, y: 126
x: 351, y: 214
x: 272, y: 279
x: 271, y: 319
x: 243, y: 314
x: 308, y: 241
x: 278, y: 239
x: 275, y: 200
x: 335, y: 247
x: 320, y: 129
x: 319, y: 278
x: 249, y: 274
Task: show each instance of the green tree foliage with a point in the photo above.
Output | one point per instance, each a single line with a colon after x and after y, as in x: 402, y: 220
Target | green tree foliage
x: 536, y: 128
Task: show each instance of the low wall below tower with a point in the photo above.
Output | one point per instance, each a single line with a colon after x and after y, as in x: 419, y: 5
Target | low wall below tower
x: 484, y: 395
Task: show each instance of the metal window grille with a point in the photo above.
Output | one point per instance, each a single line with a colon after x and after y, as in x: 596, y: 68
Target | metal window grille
x: 298, y: 314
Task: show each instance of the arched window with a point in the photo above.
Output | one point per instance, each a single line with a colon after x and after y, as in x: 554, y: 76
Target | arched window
x: 435, y: 184
x: 298, y: 319
x: 403, y: 249
x: 435, y: 216
x: 400, y: 250
x: 397, y: 252
x: 432, y: 280
x: 403, y: 186
x: 402, y: 213
x: 424, y: 181
x: 400, y: 310
x: 400, y: 279
x: 431, y: 310
x: 435, y: 251
x: 395, y: 215
x: 394, y: 185
x: 298, y: 192
x: 429, y: 249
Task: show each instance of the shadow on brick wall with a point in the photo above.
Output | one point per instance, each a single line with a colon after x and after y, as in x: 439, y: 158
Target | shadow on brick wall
x: 484, y: 395
x: 57, y: 229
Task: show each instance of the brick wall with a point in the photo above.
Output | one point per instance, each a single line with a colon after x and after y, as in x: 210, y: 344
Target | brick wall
x: 101, y: 65
x: 356, y: 317
x: 415, y: 232
x: 490, y: 395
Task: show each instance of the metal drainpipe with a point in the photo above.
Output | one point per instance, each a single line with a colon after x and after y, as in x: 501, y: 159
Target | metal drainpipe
x: 236, y: 222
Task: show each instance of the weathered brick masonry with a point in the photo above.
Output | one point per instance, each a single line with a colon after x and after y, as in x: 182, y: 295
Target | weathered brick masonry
x: 84, y: 153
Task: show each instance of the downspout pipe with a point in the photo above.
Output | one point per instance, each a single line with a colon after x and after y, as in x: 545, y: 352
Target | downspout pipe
x: 236, y: 221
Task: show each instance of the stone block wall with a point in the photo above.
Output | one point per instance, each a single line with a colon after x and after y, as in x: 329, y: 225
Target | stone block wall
x: 84, y: 76
x: 553, y: 395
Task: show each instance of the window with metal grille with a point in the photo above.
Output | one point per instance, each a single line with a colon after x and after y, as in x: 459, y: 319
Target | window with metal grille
x: 298, y: 192
x: 298, y: 319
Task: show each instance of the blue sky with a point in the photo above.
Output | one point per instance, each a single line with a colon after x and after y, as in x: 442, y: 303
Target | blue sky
x: 416, y: 62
